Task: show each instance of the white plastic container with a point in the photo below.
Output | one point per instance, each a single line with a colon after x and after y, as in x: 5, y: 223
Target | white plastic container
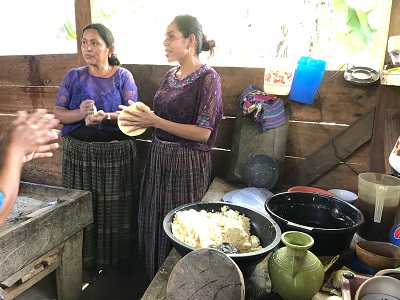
x: 393, y: 48
x: 278, y: 76
x: 394, y: 157
x: 394, y: 44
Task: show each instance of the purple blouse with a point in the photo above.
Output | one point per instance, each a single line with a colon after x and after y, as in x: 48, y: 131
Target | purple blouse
x: 78, y: 85
x: 196, y: 99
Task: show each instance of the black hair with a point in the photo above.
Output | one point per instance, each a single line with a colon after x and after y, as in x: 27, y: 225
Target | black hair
x: 107, y: 37
x: 188, y: 25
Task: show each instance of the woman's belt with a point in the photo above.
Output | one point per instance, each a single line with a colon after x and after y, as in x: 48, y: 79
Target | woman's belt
x: 91, y: 134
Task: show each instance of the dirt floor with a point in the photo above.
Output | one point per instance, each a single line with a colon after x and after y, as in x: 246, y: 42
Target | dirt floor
x: 110, y: 285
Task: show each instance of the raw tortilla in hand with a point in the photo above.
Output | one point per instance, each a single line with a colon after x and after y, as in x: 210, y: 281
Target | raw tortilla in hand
x: 125, y: 128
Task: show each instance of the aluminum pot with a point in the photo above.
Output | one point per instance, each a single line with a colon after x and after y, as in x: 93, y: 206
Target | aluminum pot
x: 330, y: 221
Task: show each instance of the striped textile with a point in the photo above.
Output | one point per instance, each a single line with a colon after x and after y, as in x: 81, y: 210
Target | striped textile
x: 174, y: 175
x: 109, y: 171
x: 267, y: 109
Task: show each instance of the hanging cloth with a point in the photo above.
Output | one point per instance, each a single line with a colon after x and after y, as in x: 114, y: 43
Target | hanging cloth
x: 267, y: 109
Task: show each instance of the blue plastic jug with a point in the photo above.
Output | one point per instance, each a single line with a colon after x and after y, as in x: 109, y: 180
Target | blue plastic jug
x: 307, y: 79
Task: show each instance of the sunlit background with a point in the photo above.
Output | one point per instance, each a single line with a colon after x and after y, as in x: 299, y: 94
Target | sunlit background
x: 249, y: 34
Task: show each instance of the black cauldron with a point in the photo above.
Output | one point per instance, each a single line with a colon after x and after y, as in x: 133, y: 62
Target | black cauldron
x: 261, y: 225
x: 330, y: 221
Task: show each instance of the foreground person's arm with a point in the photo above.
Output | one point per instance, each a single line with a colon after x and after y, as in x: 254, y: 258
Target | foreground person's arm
x: 27, y: 138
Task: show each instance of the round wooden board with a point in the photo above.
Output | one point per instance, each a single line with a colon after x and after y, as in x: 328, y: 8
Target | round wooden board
x: 125, y: 128
x: 206, y: 274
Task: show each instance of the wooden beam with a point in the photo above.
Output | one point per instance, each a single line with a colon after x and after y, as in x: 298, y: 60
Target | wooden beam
x: 387, y: 100
x: 333, y: 152
x: 83, y: 16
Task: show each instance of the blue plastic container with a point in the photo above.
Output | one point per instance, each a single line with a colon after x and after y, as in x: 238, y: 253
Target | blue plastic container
x: 394, y: 235
x: 307, y: 79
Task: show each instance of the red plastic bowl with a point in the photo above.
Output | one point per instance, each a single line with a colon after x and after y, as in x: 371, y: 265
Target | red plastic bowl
x: 309, y: 189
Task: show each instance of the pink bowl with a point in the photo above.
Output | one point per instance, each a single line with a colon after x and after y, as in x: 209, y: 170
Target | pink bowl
x: 309, y: 189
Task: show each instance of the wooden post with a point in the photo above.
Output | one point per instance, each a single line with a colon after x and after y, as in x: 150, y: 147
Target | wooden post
x: 83, y: 16
x: 69, y: 274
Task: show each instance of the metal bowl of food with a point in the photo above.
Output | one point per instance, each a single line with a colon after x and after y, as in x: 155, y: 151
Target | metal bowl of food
x: 260, y: 225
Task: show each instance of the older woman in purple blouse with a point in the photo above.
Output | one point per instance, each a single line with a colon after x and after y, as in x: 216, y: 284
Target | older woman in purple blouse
x: 187, y: 112
x: 97, y: 156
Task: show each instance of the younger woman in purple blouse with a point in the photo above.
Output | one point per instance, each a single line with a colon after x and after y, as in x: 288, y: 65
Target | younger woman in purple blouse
x: 187, y: 112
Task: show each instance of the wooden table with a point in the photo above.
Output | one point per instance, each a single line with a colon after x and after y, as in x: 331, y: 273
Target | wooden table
x: 46, y: 240
x: 258, y: 285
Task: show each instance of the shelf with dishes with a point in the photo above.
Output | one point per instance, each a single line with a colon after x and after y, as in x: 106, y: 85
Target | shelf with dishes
x: 391, y: 76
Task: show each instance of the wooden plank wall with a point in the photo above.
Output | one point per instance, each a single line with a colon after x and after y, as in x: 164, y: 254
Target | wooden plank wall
x: 388, y: 106
x: 32, y: 82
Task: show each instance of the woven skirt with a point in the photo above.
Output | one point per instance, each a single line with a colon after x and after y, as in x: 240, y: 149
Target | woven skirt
x: 109, y: 171
x: 173, y: 176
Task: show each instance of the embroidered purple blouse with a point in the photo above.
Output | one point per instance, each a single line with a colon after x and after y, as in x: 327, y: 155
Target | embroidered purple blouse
x: 78, y: 85
x: 196, y: 99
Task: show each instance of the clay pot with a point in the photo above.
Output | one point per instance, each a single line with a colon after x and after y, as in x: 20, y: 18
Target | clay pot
x: 378, y: 255
x: 295, y: 272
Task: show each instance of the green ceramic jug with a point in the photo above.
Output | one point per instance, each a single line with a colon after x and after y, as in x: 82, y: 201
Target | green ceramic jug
x: 295, y: 272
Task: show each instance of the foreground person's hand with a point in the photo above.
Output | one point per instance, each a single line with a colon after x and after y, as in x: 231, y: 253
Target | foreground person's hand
x: 30, y: 135
x: 27, y: 137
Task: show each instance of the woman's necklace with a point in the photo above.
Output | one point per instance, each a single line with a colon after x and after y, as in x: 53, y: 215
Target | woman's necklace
x: 108, y: 71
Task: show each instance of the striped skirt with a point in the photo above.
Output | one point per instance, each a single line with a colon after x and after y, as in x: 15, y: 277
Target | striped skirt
x: 109, y: 171
x: 173, y: 176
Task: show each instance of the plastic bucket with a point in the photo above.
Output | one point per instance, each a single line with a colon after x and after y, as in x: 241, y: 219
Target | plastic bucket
x: 307, y: 79
x: 278, y: 76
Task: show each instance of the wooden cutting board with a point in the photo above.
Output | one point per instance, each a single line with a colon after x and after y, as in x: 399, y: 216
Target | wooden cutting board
x: 206, y: 274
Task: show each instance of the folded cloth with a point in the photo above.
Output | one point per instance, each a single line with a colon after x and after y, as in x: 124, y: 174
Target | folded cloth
x: 267, y: 109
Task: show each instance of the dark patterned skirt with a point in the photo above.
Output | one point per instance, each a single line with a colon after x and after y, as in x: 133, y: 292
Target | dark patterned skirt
x: 173, y: 176
x: 109, y: 171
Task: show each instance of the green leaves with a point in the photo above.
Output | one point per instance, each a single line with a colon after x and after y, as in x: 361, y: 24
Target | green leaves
x: 67, y: 31
x: 359, y: 27
x: 359, y: 17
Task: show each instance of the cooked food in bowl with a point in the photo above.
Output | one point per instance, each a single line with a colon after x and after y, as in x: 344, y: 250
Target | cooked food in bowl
x: 261, y: 226
x: 203, y: 229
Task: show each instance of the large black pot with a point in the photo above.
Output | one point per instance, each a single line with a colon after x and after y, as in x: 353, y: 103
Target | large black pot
x: 330, y: 221
x: 261, y: 225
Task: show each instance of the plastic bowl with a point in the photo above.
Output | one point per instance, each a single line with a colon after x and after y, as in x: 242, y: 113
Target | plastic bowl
x: 330, y: 221
x: 309, y: 189
x: 344, y: 195
x: 378, y: 287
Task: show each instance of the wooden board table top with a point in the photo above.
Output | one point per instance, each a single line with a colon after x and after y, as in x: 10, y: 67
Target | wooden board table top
x: 33, y: 244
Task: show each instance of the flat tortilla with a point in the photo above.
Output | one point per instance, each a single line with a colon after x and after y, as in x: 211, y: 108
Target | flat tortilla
x: 125, y: 128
